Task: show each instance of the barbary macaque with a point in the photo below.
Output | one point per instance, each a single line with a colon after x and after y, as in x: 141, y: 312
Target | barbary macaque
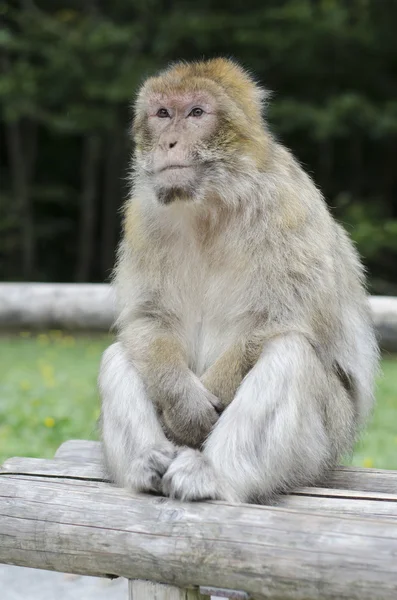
x: 246, y: 355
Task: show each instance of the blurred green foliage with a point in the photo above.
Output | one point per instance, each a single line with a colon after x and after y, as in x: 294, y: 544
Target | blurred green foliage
x: 48, y: 392
x: 70, y: 71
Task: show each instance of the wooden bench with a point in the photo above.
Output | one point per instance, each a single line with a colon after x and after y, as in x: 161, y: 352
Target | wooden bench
x: 333, y: 542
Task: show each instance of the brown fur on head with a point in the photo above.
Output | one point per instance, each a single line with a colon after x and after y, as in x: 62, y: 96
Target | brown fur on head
x: 177, y: 150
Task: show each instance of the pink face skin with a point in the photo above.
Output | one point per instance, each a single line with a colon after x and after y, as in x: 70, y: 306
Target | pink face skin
x: 178, y: 123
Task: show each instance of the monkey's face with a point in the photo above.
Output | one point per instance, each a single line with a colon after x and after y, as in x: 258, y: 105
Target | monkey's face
x: 174, y: 143
x: 198, y: 128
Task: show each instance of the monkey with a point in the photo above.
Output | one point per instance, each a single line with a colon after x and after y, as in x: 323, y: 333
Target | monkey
x: 245, y: 357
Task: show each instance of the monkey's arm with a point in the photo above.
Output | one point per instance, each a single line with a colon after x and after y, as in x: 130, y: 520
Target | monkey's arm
x: 226, y: 374
x: 186, y: 408
x: 224, y: 377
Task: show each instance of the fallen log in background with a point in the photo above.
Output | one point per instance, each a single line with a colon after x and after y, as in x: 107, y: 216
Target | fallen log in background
x: 74, y: 306
x: 91, y: 307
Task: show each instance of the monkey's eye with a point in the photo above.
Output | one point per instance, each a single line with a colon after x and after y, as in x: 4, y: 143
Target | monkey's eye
x: 162, y: 113
x: 196, y: 112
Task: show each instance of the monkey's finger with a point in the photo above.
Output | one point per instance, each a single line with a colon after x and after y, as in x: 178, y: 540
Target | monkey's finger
x: 217, y: 404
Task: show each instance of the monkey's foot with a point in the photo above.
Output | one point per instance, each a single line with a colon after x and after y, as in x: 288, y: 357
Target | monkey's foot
x: 147, y: 470
x: 191, y: 477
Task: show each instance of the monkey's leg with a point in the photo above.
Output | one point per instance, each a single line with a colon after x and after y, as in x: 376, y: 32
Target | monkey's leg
x: 288, y: 422
x: 136, y: 448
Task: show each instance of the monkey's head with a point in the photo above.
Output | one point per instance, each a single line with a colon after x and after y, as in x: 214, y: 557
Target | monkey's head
x: 196, y: 126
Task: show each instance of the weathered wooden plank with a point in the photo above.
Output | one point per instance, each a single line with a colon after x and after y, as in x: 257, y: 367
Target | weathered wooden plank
x: 146, y: 590
x: 223, y: 593
x: 362, y: 480
x: 268, y: 552
x: 89, y: 453
x: 80, y: 450
x: 56, y: 468
x: 367, y: 505
x: 356, y: 506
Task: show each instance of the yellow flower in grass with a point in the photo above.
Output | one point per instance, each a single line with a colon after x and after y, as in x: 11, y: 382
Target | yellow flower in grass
x: 49, y: 422
x: 92, y: 351
x: 43, y: 339
x: 46, y: 370
x: 368, y: 463
x: 25, y: 385
x: 47, y: 373
x: 56, y: 334
x: 68, y: 341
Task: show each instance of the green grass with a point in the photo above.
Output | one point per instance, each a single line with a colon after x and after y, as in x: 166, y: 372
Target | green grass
x: 47, y: 391
x: 378, y: 446
x: 48, y: 395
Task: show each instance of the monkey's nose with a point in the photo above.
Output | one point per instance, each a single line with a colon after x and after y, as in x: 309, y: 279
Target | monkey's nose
x: 171, y: 144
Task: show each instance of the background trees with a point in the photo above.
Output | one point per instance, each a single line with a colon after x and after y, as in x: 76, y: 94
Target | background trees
x: 69, y: 71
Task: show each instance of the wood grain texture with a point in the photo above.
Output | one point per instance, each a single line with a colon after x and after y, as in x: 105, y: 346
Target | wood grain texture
x: 223, y: 593
x: 79, y: 469
x: 89, y: 454
x: 80, y: 450
x: 146, y: 590
x: 328, y: 500
x: 94, y: 528
x: 360, y: 479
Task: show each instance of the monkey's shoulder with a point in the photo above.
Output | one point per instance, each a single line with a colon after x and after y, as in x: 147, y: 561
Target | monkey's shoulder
x: 133, y: 226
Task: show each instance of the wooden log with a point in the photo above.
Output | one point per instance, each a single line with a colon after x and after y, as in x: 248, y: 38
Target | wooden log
x: 96, y: 529
x: 92, y: 307
x: 76, y: 469
x: 363, y: 504
x: 223, y: 593
x: 56, y: 306
x: 80, y: 450
x: 384, y: 311
x: 146, y: 590
x: 343, y: 478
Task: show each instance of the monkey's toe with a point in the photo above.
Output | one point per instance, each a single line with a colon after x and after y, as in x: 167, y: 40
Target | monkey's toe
x: 191, y: 477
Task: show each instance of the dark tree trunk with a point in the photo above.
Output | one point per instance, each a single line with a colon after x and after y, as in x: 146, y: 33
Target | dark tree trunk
x: 22, y: 166
x: 90, y: 164
x: 22, y: 150
x: 111, y: 201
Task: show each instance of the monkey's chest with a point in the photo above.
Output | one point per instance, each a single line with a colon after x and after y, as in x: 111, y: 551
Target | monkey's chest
x: 218, y: 321
x: 214, y: 300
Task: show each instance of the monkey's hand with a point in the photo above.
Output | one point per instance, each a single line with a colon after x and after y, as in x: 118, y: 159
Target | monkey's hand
x: 224, y: 377
x: 221, y: 384
x: 190, y: 417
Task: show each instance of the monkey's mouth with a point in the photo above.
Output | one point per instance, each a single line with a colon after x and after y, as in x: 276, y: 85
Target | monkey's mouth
x: 171, y: 167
